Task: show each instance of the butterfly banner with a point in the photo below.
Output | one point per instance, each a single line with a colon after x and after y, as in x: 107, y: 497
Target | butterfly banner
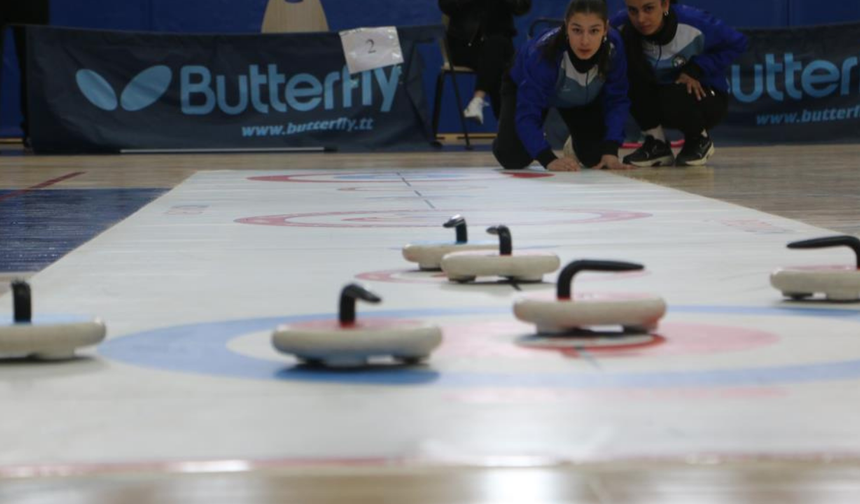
x: 104, y: 91
x: 797, y: 85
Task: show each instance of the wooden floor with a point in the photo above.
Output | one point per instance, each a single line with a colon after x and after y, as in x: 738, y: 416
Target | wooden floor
x: 753, y: 484
x: 818, y: 185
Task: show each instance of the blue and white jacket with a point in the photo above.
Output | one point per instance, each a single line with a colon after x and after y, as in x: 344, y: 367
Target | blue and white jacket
x: 701, y: 46
x: 542, y: 84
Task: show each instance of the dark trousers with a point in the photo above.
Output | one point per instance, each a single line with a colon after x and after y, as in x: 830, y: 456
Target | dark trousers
x: 586, y: 125
x: 22, y: 12
x: 489, y: 57
x: 671, y: 106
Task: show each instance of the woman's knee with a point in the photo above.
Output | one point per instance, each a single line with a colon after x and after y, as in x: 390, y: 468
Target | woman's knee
x: 509, y: 157
x: 677, y: 106
x: 589, y: 158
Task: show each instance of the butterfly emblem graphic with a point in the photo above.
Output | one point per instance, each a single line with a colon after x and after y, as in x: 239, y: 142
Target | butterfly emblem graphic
x: 145, y: 88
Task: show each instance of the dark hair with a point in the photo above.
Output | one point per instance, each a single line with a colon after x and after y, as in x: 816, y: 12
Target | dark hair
x: 559, y: 42
x: 636, y: 61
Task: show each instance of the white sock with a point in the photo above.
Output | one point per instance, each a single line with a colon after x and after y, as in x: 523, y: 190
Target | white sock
x: 657, y: 133
x: 705, y: 133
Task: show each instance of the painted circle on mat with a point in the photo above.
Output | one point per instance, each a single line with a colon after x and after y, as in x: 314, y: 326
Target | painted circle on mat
x: 486, y: 339
x: 398, y: 177
x: 432, y: 218
x: 415, y: 197
x: 415, y: 276
x: 411, y: 190
x: 203, y: 349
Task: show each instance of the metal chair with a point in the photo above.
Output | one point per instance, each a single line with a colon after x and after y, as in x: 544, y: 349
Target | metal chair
x: 448, y: 68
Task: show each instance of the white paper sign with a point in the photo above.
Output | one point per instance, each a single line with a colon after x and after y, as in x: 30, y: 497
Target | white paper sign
x: 371, y: 48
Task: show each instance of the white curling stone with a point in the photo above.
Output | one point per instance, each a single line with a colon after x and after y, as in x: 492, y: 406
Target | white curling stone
x: 554, y: 316
x: 429, y: 255
x: 50, y: 340
x: 329, y: 343
x: 529, y: 266
x: 838, y: 283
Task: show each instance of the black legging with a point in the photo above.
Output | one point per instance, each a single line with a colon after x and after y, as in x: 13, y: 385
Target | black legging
x: 489, y: 57
x: 586, y: 125
x: 22, y: 12
x: 673, y: 107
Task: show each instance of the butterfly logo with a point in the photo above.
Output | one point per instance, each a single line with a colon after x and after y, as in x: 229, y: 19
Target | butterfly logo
x: 144, y: 89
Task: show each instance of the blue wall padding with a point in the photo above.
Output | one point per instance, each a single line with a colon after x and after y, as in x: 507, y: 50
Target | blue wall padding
x: 813, y: 12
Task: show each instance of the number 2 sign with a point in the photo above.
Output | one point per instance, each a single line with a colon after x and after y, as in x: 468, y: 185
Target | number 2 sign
x: 371, y: 48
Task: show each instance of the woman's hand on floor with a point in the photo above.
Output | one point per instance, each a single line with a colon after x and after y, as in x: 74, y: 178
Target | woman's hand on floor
x: 563, y: 164
x: 610, y: 162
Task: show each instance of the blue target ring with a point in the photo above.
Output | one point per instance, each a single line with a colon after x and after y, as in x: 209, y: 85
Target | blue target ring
x: 203, y: 349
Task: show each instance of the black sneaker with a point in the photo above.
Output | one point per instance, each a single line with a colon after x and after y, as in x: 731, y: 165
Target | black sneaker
x: 696, y: 151
x: 652, y: 153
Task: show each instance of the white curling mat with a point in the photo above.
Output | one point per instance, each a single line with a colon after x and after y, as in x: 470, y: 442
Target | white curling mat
x: 191, y: 302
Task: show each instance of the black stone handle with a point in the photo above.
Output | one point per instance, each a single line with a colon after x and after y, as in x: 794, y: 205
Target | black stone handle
x: 506, y: 246
x: 22, y: 302
x: 348, y: 297
x: 830, y: 241
x: 565, y: 278
x: 459, y: 223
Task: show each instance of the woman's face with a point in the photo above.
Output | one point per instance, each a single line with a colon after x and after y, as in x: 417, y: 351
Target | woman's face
x: 585, y: 32
x: 647, y: 15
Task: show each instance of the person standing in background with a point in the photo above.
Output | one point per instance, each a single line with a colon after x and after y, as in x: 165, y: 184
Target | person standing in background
x: 480, y: 36
x: 22, y: 12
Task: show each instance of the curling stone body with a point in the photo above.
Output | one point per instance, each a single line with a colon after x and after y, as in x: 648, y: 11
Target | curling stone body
x: 560, y: 316
x: 349, y: 346
x: 429, y: 255
x: 567, y: 312
x: 347, y: 342
x: 836, y: 283
x: 50, y: 341
x: 528, y: 267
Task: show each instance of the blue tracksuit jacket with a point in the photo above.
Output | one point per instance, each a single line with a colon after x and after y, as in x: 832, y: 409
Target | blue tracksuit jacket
x: 542, y: 84
x: 703, y: 46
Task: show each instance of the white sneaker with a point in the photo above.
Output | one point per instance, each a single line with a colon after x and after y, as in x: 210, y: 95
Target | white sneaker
x: 475, y: 110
